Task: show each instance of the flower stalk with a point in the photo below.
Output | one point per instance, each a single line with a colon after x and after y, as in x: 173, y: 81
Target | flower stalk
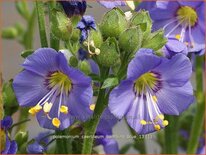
x: 41, y: 22
x: 199, y: 116
x: 91, y: 125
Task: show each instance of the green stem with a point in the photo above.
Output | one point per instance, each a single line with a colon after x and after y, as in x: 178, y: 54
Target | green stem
x: 41, y: 22
x: 29, y: 35
x: 63, y: 144
x: 54, y: 41
x: 171, y: 135
x: 139, y: 143
x: 91, y: 125
x: 198, y: 122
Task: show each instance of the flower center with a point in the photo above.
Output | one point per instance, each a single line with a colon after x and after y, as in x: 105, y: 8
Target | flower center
x: 146, y: 81
x: 187, y: 15
x: 61, y: 80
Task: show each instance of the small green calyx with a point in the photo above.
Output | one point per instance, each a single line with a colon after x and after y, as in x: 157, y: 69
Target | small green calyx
x: 187, y: 15
x: 113, y: 23
x: 61, y: 80
x: 147, y: 80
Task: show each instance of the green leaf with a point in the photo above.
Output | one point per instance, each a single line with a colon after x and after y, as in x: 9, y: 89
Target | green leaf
x: 125, y: 149
x: 110, y: 82
x: 26, y: 53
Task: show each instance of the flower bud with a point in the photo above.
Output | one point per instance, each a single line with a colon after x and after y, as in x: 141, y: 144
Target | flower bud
x: 21, y: 137
x: 84, y: 66
x: 9, y: 33
x: 75, y: 35
x: 142, y: 19
x: 155, y: 40
x: 131, y: 39
x: 96, y: 36
x: 62, y: 26
x: 113, y: 23
x: 73, y: 61
x: 108, y: 53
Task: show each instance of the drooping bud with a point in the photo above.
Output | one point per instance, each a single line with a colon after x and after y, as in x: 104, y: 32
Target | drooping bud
x: 131, y: 39
x: 62, y: 26
x: 21, y: 137
x: 155, y: 40
x: 109, y: 53
x: 73, y: 61
x: 113, y: 23
x: 142, y: 19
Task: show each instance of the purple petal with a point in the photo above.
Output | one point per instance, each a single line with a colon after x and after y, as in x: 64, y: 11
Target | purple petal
x: 146, y: 6
x: 29, y: 88
x: 110, y: 146
x: 35, y: 148
x: 175, y: 71
x: 7, y: 145
x: 106, y: 123
x: 160, y: 12
x: 120, y: 98
x: 139, y: 65
x: 111, y: 4
x: 174, y: 100
x: 80, y: 98
x: 6, y: 122
x: 41, y: 61
x: 13, y: 148
x: 193, y: 4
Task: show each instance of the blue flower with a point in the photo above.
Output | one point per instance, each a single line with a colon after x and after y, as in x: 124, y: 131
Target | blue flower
x: 74, y: 7
x: 154, y: 86
x: 57, y: 93
x: 180, y: 19
x: 111, y: 4
x: 10, y: 145
x: 104, y: 130
x: 85, y: 25
x: 39, y: 146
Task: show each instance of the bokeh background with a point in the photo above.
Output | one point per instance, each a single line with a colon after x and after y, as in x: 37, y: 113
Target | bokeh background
x: 11, y: 61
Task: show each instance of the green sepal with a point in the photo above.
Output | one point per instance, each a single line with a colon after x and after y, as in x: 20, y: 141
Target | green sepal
x: 110, y: 82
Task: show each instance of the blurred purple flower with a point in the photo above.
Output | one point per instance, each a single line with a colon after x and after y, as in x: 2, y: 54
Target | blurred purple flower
x: 154, y: 86
x: 104, y: 129
x: 180, y: 19
x: 40, y: 144
x: 85, y: 25
x: 10, y: 145
x: 74, y: 7
x: 174, y: 46
x: 53, y: 92
x: 111, y: 4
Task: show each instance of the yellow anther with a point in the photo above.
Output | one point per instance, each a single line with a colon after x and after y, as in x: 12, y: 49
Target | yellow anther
x: 165, y: 123
x: 178, y: 36
x: 92, y: 107
x: 37, y: 108
x: 32, y: 111
x: 154, y: 98
x: 64, y: 109
x: 97, y: 51
x: 143, y: 122
x: 56, y: 122
x: 47, y: 107
x: 157, y: 127
x: 186, y: 43
x: 161, y: 116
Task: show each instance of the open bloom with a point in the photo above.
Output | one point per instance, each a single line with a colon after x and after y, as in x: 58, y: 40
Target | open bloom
x: 10, y: 146
x: 74, y: 7
x: 180, y: 19
x: 56, y: 92
x: 154, y: 86
x: 104, y: 130
x: 85, y: 25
